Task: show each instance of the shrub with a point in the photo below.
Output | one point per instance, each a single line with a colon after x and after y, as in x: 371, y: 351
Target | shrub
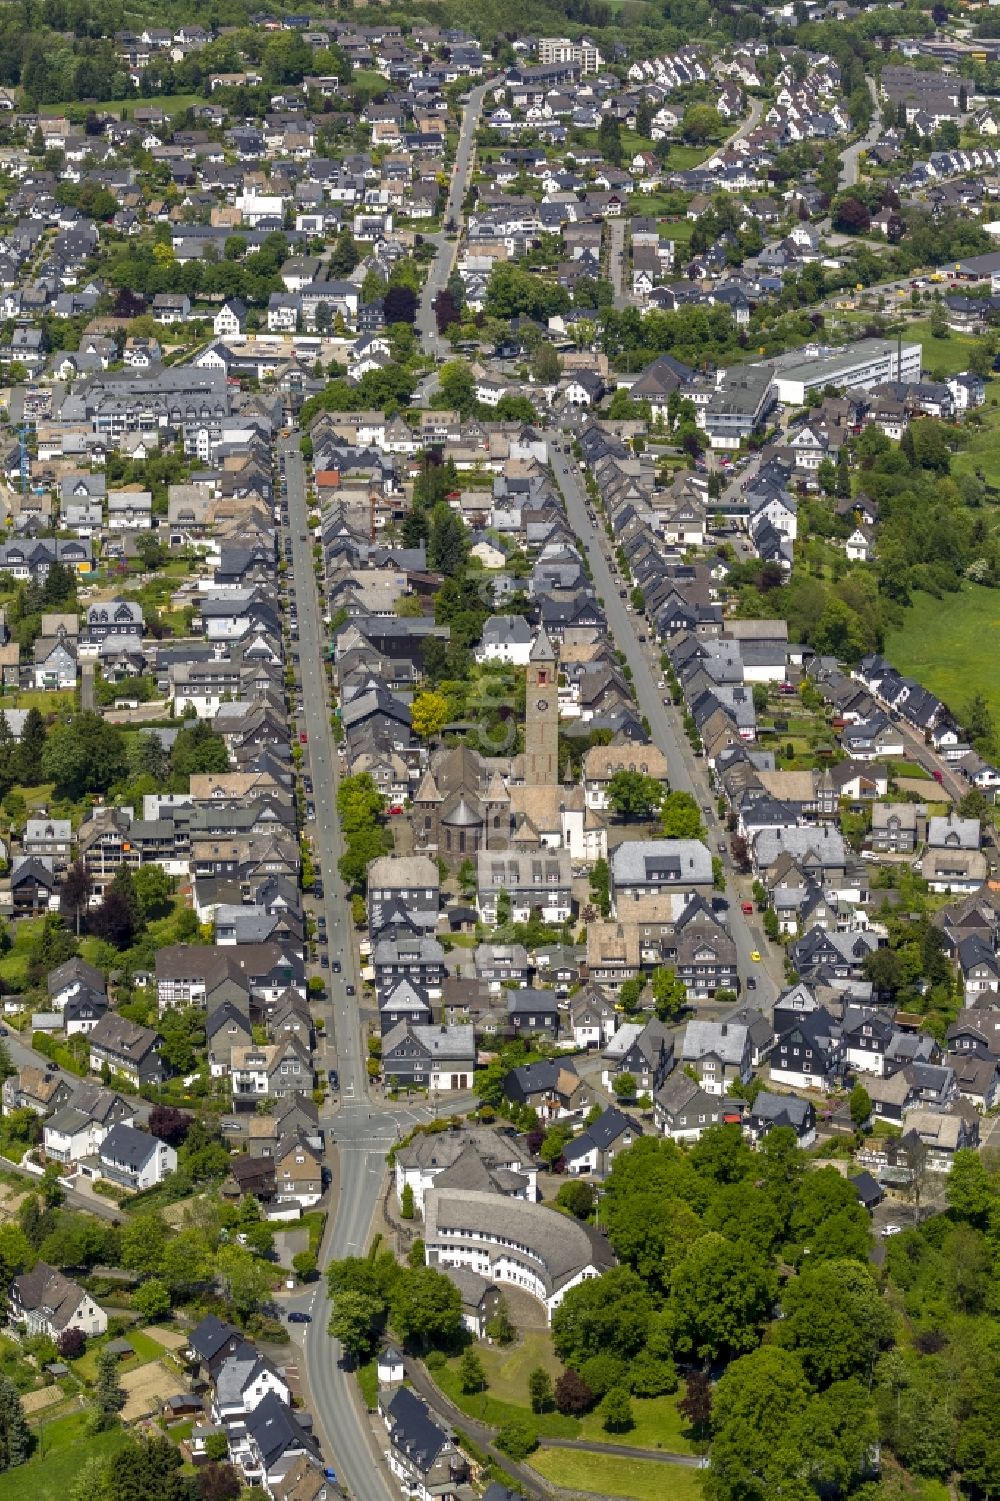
x: 602, y: 1372
x: 616, y: 1411
x: 517, y: 1439
x: 572, y: 1393
x: 71, y: 1344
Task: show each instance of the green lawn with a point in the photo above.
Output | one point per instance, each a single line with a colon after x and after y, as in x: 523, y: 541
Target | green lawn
x: 608, y: 1475
x: 146, y: 1349
x: 949, y: 645
x: 982, y: 451
x: 367, y: 1374
x: 658, y: 1425
x: 64, y: 1447
x: 944, y: 356
x: 173, y: 104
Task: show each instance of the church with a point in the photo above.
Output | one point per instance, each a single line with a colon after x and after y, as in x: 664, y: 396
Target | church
x: 467, y: 802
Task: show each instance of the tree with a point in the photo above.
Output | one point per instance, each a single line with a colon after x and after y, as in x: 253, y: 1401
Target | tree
x: 860, y: 1104
x: 835, y: 1319
x: 577, y: 1196
x: 540, y: 1389
x: 471, y: 1373
x: 71, y: 1343
x: 219, y: 1482
x: 546, y: 365
x: 696, y: 1403
x: 500, y: 1329
x: 217, y: 1446
x: 755, y: 1402
x: 669, y: 993
x: 169, y: 1124
x: 345, y: 254
x: 609, y: 1314
x: 632, y: 794
x: 304, y: 1265
x: 572, y: 1394
x: 75, y: 892
x: 850, y: 216
x: 426, y: 1306
x: 246, y: 1281
x: 406, y: 1208
x: 31, y: 747
x: 151, y: 1299
x: 722, y: 1294
x: 624, y: 1086
x: 83, y: 754
x: 109, y: 1395
x: 970, y: 1190
x: 616, y: 1411
x: 359, y: 803
x: 680, y: 816
x: 143, y: 1238
x: 153, y: 890
x: 517, y: 1438
x: 113, y: 920
x: 429, y: 713
x: 700, y: 123
x: 630, y: 994
x: 15, y: 1436
x: 354, y: 1320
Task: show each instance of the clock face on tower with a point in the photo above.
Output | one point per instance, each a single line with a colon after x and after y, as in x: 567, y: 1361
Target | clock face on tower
x: 542, y: 705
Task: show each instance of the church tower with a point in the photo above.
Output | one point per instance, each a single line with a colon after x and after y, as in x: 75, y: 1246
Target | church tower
x: 541, y: 726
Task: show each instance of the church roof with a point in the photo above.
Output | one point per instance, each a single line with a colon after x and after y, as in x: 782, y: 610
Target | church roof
x: 543, y: 650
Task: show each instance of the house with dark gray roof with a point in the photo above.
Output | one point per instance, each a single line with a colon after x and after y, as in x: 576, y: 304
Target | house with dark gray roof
x: 593, y: 1152
x: 47, y: 1302
x: 422, y: 1456
x: 770, y: 1110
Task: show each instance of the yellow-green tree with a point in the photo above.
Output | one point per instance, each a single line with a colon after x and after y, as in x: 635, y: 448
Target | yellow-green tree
x: 429, y: 714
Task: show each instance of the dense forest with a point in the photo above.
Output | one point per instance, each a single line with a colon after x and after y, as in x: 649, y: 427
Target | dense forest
x: 815, y: 1371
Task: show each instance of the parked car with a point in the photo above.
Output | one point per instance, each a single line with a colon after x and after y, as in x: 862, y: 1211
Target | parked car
x: 333, y: 1078
x: 295, y: 1317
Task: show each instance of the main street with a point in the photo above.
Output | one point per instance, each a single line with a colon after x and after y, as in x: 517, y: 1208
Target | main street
x: 363, y: 1136
x: 440, y: 267
x: 664, y: 724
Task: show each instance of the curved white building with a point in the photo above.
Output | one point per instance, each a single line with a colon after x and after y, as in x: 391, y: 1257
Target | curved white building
x: 509, y: 1240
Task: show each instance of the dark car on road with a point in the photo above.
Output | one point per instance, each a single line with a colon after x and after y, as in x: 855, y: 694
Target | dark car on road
x: 295, y: 1317
x: 333, y: 1077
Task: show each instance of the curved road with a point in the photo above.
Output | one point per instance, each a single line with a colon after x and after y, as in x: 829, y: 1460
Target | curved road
x: 849, y: 157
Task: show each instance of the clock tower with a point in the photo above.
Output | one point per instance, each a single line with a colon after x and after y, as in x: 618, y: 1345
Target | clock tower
x: 541, y: 726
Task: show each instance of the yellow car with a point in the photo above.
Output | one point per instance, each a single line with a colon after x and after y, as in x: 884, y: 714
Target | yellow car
x: 755, y: 956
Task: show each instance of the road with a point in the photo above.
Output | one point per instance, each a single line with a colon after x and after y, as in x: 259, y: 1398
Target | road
x: 440, y: 267
x: 665, y: 727
x: 616, y: 261
x: 749, y: 125
x: 362, y: 1137
x: 849, y: 157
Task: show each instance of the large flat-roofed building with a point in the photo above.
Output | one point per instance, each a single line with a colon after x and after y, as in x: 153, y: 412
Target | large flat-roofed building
x: 739, y: 405
x: 553, y: 49
x: 868, y: 363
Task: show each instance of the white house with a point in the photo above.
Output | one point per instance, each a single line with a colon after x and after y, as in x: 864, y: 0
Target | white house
x: 231, y: 318
x: 48, y: 1303
x: 135, y: 1159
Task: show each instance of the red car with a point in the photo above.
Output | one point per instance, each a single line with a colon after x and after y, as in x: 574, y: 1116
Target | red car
x: 746, y: 907
x: 303, y: 738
